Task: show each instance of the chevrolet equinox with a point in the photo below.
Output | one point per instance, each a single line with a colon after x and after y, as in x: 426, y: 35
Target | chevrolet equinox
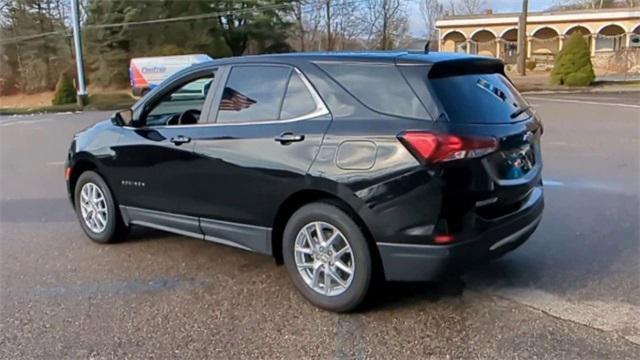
x: 339, y: 165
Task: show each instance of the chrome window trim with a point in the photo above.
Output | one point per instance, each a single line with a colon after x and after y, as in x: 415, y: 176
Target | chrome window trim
x: 139, y: 106
x: 321, y: 108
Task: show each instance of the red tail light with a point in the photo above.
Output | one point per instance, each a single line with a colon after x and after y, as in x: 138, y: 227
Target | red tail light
x: 443, y: 239
x: 432, y: 148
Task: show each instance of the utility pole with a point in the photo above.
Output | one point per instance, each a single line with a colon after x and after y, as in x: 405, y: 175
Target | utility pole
x: 522, y: 38
x: 81, y: 95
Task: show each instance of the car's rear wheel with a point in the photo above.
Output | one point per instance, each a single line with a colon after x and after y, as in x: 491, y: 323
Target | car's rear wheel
x: 327, y: 257
x: 96, y: 209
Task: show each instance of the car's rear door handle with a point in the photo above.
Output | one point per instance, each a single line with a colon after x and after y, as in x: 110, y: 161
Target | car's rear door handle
x: 179, y: 140
x: 287, y: 138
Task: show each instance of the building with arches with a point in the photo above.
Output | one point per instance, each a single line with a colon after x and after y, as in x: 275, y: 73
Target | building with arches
x: 608, y: 31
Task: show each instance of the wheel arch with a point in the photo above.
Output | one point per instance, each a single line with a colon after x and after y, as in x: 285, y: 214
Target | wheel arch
x: 304, y: 197
x: 81, y: 164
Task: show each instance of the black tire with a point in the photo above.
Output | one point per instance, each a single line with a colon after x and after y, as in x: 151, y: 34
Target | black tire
x: 115, y: 229
x: 331, y: 214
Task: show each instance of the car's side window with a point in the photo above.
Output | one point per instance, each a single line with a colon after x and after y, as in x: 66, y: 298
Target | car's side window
x: 183, y: 105
x: 298, y: 101
x: 253, y: 93
x: 397, y: 99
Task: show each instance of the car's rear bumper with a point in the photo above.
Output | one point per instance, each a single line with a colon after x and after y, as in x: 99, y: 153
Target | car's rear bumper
x: 412, y: 262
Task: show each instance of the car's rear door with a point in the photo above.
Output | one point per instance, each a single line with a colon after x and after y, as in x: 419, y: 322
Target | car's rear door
x: 269, y: 125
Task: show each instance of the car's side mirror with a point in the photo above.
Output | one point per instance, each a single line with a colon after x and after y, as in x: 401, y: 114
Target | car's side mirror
x: 122, y: 117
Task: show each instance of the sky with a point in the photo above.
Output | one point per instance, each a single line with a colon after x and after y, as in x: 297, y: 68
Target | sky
x: 416, y: 23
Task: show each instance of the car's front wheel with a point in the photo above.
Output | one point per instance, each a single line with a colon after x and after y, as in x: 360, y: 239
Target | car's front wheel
x: 327, y: 257
x: 96, y: 209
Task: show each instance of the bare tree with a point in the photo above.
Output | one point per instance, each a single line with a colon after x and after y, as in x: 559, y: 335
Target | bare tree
x: 331, y: 24
x: 328, y: 24
x: 470, y: 7
x: 299, y: 29
x: 463, y: 7
x: 593, y: 4
x: 347, y: 23
x: 386, y: 22
x: 310, y: 20
x: 431, y: 11
x: 390, y: 13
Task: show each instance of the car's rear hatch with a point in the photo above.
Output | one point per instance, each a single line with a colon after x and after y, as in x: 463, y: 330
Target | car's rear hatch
x: 477, y: 103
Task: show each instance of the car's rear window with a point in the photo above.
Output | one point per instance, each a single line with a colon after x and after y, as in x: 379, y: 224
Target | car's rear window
x: 381, y: 87
x: 479, y: 98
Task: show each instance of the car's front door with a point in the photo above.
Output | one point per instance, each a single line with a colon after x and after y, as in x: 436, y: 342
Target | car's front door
x: 154, y: 157
x: 269, y: 125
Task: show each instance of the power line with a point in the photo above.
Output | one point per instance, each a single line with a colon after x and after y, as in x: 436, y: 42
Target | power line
x: 167, y: 20
x: 32, y: 37
x: 144, y: 22
x: 189, y: 17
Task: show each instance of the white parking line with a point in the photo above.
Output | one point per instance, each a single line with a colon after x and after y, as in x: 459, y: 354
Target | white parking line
x: 55, y: 163
x: 585, y: 102
x: 23, y: 122
x: 600, y: 98
x: 27, y: 118
x: 620, y: 318
x: 552, y: 183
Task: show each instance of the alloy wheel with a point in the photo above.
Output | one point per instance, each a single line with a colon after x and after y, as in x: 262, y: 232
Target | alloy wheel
x: 93, y: 207
x: 324, y: 258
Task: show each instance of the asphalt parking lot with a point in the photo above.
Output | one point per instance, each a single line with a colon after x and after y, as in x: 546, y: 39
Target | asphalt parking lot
x: 572, y: 291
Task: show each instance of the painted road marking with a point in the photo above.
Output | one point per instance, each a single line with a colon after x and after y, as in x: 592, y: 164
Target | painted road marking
x: 590, y: 98
x: 55, y: 163
x: 24, y: 122
x: 620, y: 318
x: 26, y: 119
x: 585, y: 102
x: 552, y: 183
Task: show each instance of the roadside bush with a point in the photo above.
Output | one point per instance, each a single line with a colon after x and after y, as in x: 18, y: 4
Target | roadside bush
x: 573, y: 64
x: 65, y: 91
x: 531, y: 64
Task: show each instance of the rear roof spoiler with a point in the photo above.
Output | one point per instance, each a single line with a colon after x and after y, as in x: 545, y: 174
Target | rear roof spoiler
x: 466, y: 66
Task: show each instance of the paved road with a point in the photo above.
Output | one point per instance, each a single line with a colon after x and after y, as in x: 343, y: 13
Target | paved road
x: 572, y: 291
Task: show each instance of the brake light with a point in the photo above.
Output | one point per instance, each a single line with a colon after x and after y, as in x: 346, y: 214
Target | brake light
x: 432, y: 147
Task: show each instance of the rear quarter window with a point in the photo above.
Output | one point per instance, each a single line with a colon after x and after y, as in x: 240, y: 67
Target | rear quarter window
x: 380, y: 87
x: 298, y: 101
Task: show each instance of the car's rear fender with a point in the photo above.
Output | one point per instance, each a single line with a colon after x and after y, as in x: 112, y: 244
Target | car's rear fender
x: 397, y: 198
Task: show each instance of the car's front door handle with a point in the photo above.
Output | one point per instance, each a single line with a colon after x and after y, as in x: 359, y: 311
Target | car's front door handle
x: 179, y: 140
x: 287, y: 138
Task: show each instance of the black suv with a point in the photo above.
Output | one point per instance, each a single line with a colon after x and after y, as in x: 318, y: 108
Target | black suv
x: 339, y: 165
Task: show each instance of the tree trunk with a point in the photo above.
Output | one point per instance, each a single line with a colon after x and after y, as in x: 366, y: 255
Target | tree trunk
x: 329, y: 36
x: 300, y: 16
x: 385, y: 24
x: 45, y: 49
